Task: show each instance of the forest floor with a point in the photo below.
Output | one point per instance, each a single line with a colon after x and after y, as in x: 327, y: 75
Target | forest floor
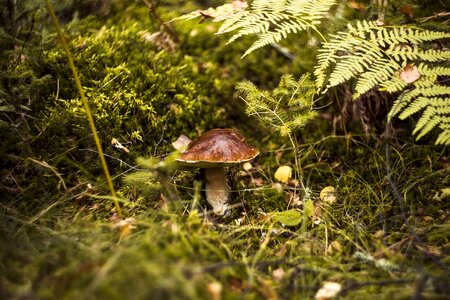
x: 382, y: 233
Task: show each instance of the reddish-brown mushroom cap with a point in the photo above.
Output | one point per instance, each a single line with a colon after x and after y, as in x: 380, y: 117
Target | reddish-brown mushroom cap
x: 217, y: 147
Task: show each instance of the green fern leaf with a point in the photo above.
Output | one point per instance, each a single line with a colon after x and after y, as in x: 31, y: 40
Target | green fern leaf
x: 273, y: 21
x: 378, y: 56
x: 426, y: 123
x: 443, y: 138
x: 352, y: 53
x: 405, y: 52
x: 418, y: 104
x: 394, y: 84
x: 380, y: 72
x: 433, y: 71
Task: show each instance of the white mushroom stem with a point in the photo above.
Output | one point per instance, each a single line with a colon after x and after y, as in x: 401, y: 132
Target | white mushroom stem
x: 217, y: 190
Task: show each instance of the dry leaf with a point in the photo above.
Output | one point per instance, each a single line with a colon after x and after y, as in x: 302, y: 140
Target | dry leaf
x: 328, y: 290
x: 408, y: 10
x: 379, y: 22
x: 379, y: 234
x: 119, y: 146
x: 334, y: 247
x: 277, y: 186
x: 428, y: 219
x: 432, y: 250
x: 258, y: 181
x: 295, y: 200
x: 328, y: 194
x: 278, y: 274
x: 125, y: 227
x: 283, y: 174
x: 356, y: 5
x: 409, y: 73
x: 247, y: 166
x: 160, y: 39
x: 162, y: 203
x: 240, y: 221
x: 181, y: 143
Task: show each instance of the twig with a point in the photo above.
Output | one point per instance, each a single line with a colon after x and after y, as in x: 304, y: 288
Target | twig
x: 53, y: 169
x: 359, y: 285
x: 163, y: 25
x: 435, y: 16
x: 283, y: 50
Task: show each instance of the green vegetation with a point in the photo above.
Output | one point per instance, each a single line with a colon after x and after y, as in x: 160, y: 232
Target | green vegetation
x: 381, y: 232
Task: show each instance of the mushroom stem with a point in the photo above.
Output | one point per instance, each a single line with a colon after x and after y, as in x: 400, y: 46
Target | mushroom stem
x: 217, y: 190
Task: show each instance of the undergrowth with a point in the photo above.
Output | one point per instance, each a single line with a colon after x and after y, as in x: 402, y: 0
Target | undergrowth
x: 73, y: 249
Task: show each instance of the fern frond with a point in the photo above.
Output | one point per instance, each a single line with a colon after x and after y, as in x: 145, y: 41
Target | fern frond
x: 393, y: 59
x: 444, y: 136
x: 228, y: 24
x: 287, y: 27
x: 353, y: 52
x: 351, y: 66
x: 437, y: 113
x: 274, y: 20
x: 423, y: 92
x: 441, y: 105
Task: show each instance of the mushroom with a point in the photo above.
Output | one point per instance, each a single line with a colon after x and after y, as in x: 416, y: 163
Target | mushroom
x: 213, y: 151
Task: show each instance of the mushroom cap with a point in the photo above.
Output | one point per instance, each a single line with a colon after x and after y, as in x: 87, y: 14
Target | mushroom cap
x: 217, y: 147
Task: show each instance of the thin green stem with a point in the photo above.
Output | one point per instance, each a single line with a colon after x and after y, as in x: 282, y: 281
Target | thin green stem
x: 85, y: 103
x: 320, y: 34
x: 298, y: 168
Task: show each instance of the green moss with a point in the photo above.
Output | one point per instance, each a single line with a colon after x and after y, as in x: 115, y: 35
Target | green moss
x: 135, y: 90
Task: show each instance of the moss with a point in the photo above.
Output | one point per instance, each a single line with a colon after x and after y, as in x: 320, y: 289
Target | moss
x: 134, y: 88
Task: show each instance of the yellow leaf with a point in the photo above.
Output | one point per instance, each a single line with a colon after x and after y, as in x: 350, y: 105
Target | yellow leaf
x: 328, y: 195
x: 283, y: 173
x: 328, y: 290
x: 278, y: 274
x: 247, y: 166
x: 125, y: 227
x: 181, y: 143
x: 119, y: 146
x: 334, y: 247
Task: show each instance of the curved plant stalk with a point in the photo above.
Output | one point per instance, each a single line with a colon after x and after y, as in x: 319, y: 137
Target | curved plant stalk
x: 86, y: 105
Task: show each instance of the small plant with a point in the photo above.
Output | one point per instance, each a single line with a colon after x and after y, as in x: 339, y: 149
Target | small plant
x: 286, y: 109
